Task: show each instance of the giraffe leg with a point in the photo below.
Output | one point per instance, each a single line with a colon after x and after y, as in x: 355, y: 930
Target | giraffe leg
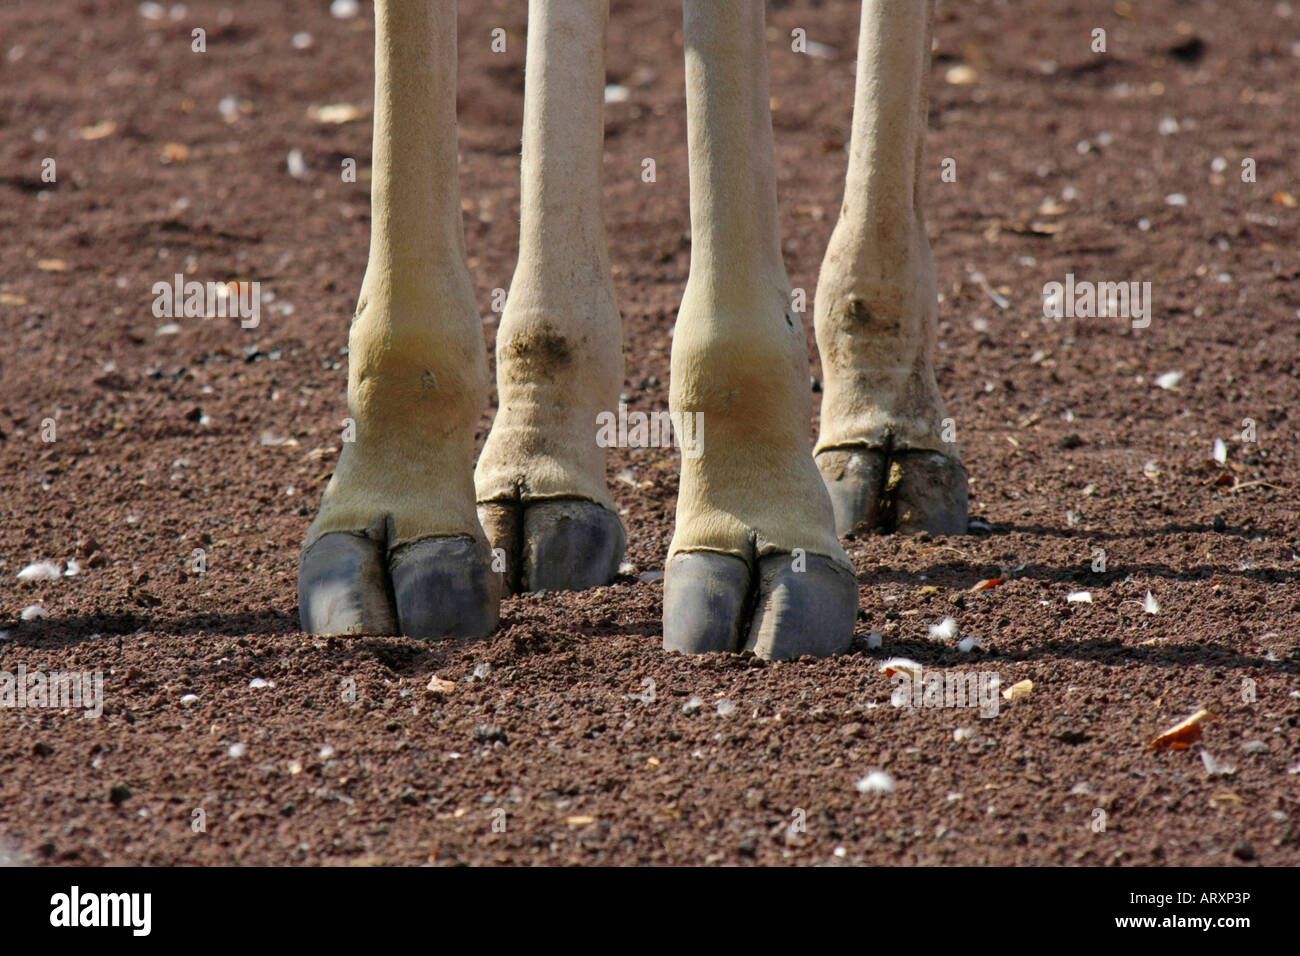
x: 754, y: 562
x: 397, y: 546
x: 541, y: 476
x: 887, y: 457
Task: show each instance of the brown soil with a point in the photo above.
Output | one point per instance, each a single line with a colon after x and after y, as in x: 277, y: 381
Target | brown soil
x: 166, y: 444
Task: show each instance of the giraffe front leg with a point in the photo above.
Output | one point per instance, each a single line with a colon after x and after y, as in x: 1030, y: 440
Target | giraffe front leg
x: 541, y: 477
x: 754, y: 562
x: 887, y: 454
x: 397, y: 546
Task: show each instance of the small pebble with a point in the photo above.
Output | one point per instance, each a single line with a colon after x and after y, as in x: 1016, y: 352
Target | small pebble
x: 1169, y: 380
x: 875, y: 782
x: 1216, y: 767
x: 945, y: 630
x: 487, y: 733
x: 41, y: 571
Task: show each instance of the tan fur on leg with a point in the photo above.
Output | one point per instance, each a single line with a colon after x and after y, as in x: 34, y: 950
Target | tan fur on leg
x: 417, y: 372
x: 559, y: 347
x: 876, y: 296
x: 739, y: 356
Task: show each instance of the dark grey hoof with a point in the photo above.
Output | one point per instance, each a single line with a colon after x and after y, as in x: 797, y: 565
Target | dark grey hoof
x: 794, y: 605
x: 900, y: 491
x: 562, y: 544
x: 437, y: 587
x: 811, y: 611
x: 705, y: 602
x: 445, y: 587
x: 930, y: 493
x: 343, y: 587
x: 855, y: 479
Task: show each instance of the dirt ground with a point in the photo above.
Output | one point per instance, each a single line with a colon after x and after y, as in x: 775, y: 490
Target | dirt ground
x: 228, y: 736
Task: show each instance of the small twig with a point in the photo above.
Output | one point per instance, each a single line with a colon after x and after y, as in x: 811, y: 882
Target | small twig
x: 1242, y: 485
x: 944, y: 548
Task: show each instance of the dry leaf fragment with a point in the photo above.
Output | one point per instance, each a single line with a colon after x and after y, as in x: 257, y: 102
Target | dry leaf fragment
x: 1183, y: 734
x: 174, y: 153
x: 961, y: 75
x: 901, y: 665
x: 437, y: 685
x: 98, y: 130
x: 1019, y: 691
x: 998, y: 226
x: 335, y: 113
